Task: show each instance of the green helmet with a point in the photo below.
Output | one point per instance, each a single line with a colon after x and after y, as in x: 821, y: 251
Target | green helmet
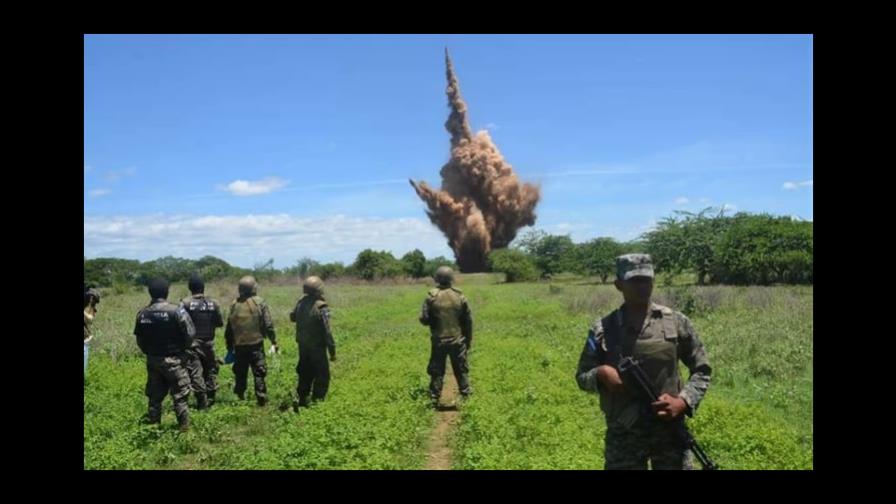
x: 248, y: 286
x: 444, y: 275
x: 313, y: 285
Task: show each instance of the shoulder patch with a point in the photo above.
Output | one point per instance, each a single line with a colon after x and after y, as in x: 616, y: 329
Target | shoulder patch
x: 595, y: 338
x: 597, y: 327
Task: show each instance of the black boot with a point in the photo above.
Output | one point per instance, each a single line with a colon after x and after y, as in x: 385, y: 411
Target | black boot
x: 184, y: 423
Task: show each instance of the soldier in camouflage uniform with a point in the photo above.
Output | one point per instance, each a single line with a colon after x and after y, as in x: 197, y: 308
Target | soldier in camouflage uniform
x: 312, y: 318
x: 657, y: 337
x: 202, y: 366
x: 447, y: 313
x: 248, y: 323
x: 164, y: 332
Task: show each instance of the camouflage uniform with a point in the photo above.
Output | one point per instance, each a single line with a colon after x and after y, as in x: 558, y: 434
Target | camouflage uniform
x: 202, y: 366
x: 248, y: 323
x: 447, y: 313
x: 634, y: 433
x: 315, y: 339
x: 164, y: 331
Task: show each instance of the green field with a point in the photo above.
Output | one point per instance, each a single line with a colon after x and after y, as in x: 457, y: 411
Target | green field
x: 526, y: 411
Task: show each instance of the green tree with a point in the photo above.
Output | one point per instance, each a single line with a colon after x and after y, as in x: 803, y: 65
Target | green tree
x: 598, y: 257
x: 761, y: 249
x: 516, y: 265
x: 552, y: 253
x: 371, y: 265
x: 414, y: 263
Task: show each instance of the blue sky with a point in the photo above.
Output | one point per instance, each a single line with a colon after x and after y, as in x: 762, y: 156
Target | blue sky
x: 251, y: 147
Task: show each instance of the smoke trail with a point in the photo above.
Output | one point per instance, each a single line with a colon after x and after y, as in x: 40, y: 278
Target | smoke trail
x: 481, y: 204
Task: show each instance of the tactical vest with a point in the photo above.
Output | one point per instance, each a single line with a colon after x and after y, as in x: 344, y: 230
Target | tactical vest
x: 310, y: 330
x: 657, y: 356
x: 202, y: 311
x: 245, y: 322
x: 445, y: 308
x: 158, y: 330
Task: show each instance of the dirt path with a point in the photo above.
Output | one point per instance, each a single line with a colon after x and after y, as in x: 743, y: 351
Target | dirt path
x: 438, y: 453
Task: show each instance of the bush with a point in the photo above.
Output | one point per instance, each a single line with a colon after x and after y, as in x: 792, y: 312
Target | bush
x: 516, y: 265
x: 371, y: 265
x: 414, y: 264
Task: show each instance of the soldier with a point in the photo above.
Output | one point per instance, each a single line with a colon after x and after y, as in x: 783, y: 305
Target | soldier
x: 450, y: 322
x: 312, y: 318
x: 91, y: 300
x: 164, y: 332
x: 202, y: 366
x: 248, y: 323
x: 658, y: 337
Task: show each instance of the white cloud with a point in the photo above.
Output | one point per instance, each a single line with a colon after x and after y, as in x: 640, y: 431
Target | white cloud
x: 682, y: 201
x: 254, y: 187
x: 704, y: 200
x: 96, y: 193
x: 115, y: 175
x: 696, y: 158
x: 728, y: 208
x: 246, y: 239
x: 790, y: 186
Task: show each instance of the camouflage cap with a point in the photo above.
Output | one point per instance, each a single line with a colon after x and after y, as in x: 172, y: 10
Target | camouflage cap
x: 634, y: 265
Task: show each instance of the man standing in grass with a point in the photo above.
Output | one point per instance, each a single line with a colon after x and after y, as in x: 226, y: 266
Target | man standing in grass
x: 164, y: 332
x: 657, y: 337
x: 447, y: 313
x: 312, y: 318
x: 248, y: 323
x: 202, y: 366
